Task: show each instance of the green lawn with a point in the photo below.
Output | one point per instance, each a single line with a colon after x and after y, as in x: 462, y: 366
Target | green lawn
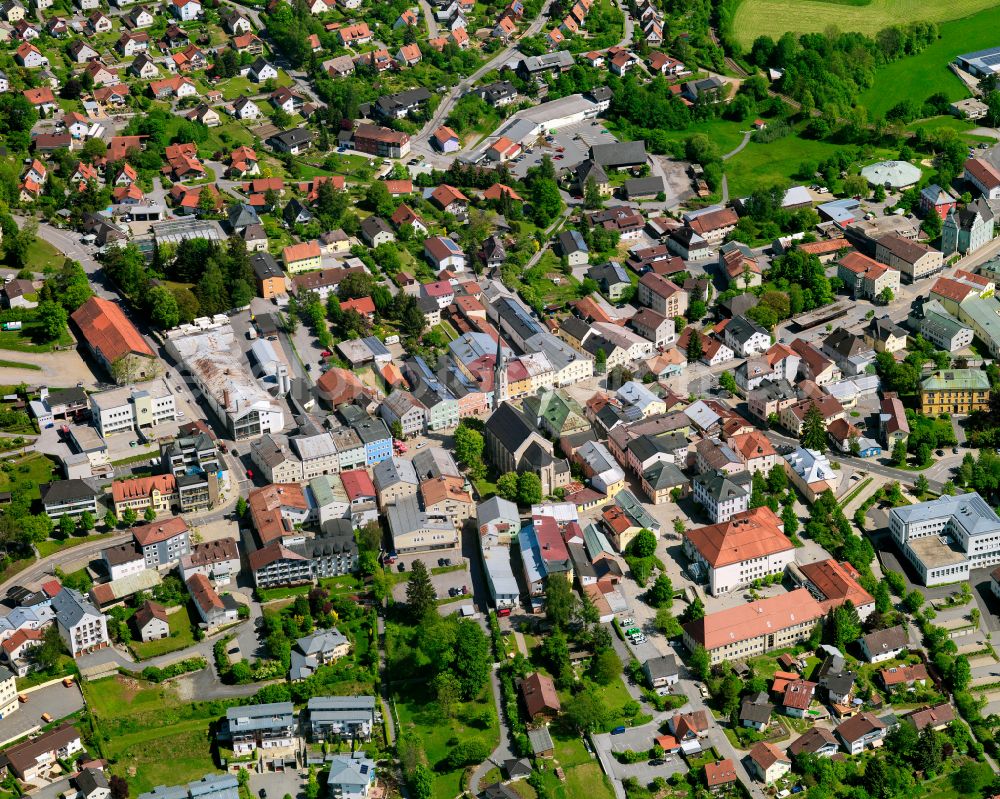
x: 726, y: 134
x: 918, y: 77
x: 181, y: 636
x: 41, y: 256
x: 151, y: 737
x: 51, y: 546
x: 584, y: 777
x: 167, y: 755
x: 438, y: 735
x: 937, y: 123
x: 765, y: 164
x: 226, y: 135
x: 754, y: 18
x: 39, y: 470
x: 5, y: 364
x: 116, y: 696
x: 30, y: 339
x: 542, y: 279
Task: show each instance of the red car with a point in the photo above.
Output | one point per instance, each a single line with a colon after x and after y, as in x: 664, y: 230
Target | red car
x: 326, y: 353
x: 250, y: 473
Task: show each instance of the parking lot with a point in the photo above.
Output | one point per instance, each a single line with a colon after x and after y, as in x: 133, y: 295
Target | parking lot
x: 56, y: 700
x: 575, y: 141
x: 275, y: 785
x: 456, y: 578
x: 637, y: 739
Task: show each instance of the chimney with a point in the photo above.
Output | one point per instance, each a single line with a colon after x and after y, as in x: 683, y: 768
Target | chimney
x: 225, y: 397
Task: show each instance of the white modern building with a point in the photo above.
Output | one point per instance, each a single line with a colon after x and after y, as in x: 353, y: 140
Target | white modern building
x: 131, y: 407
x: 947, y: 537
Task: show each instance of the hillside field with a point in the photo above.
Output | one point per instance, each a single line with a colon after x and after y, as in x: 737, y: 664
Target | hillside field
x: 919, y: 76
x: 774, y: 17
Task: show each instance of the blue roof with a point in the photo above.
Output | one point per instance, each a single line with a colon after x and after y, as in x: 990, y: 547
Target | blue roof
x: 531, y: 556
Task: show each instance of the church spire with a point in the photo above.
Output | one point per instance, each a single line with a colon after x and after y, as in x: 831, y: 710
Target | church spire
x: 499, y: 376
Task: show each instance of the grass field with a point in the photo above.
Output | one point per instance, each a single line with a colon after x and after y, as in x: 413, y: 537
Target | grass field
x: 39, y: 470
x: 30, y: 339
x: 726, y: 133
x: 765, y: 164
x: 438, y: 735
x: 150, y: 735
x: 5, y: 364
x: 774, y: 17
x: 41, y: 257
x: 918, y: 77
x: 51, y: 546
x: 583, y: 774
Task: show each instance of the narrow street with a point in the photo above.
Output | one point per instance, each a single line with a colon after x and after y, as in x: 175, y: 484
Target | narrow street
x: 503, y: 751
x: 420, y: 143
x: 432, y: 26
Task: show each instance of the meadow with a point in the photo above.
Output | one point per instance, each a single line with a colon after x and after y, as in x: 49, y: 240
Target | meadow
x: 917, y: 77
x: 755, y: 18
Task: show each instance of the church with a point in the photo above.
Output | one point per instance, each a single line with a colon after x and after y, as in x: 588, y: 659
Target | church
x: 513, y: 444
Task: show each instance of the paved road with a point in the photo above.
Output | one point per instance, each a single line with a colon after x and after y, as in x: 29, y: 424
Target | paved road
x: 739, y: 147
x: 36, y: 571
x: 68, y: 243
x: 934, y: 473
x: 432, y: 26
x: 504, y: 751
x: 420, y: 142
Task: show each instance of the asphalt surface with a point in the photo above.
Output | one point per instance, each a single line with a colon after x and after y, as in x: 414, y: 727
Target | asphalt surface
x: 56, y: 700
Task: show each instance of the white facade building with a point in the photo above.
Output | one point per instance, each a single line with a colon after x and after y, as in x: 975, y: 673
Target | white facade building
x: 129, y: 408
x: 944, y: 538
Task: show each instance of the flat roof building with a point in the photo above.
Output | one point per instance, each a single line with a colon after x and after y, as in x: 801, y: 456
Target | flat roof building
x: 213, y: 359
x: 946, y: 537
x: 980, y: 63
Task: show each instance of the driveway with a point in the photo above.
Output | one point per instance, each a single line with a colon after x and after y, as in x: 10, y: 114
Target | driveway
x: 56, y: 700
x: 638, y: 739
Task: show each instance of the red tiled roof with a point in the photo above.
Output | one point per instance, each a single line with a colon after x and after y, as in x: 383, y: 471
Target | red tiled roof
x: 357, y: 483
x: 746, y: 536
x: 141, y: 487
x: 159, y: 531
x: 106, y: 329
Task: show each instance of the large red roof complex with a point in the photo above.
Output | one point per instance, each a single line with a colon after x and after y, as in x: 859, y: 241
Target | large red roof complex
x: 104, y: 325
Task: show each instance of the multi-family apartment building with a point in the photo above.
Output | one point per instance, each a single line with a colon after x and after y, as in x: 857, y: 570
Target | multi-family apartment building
x: 251, y: 727
x: 81, y: 626
x: 342, y: 716
x: 163, y: 543
x: 68, y: 498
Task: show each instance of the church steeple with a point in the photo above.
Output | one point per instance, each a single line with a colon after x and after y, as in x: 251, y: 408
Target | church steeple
x: 499, y: 376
